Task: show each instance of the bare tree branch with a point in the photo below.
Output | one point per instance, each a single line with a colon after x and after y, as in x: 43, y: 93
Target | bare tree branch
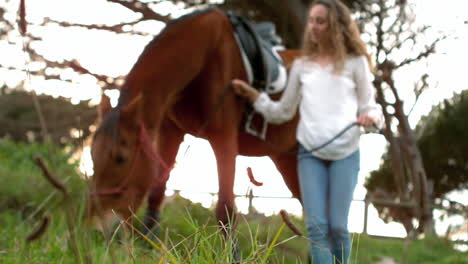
x: 74, y: 65
x: 4, y: 29
x: 105, y: 82
x: 22, y: 17
x: 429, y: 50
x: 418, y: 90
x: 142, y: 8
x: 118, y: 28
x: 412, y: 36
x: 400, y: 17
x: 380, y: 32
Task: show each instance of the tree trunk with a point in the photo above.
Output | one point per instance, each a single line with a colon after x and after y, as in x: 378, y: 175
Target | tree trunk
x: 397, y: 165
x: 414, y: 163
x: 418, y: 174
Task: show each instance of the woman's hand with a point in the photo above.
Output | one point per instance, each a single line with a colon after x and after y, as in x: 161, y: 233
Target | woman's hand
x: 241, y: 88
x: 366, y: 121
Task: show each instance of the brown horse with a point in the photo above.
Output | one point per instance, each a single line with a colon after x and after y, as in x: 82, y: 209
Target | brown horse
x: 180, y: 84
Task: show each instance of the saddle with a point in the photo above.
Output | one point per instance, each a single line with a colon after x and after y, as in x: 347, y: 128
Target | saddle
x: 258, y: 44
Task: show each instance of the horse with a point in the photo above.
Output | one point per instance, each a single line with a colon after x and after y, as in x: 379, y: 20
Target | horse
x: 180, y: 84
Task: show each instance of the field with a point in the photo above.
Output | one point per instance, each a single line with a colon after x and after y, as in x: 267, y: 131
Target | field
x: 188, y: 231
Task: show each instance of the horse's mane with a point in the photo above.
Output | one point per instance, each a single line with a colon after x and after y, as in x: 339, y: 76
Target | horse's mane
x: 109, y: 124
x: 187, y: 16
x: 110, y: 120
x: 124, y: 93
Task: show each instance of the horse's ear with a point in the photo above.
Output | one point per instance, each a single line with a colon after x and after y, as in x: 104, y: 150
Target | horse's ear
x: 131, y: 109
x: 105, y: 105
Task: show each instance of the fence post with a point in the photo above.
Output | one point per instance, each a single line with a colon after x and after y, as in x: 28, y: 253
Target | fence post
x: 366, y: 215
x: 251, y: 209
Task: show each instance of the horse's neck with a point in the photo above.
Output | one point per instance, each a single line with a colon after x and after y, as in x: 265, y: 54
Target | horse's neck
x: 126, y: 96
x: 167, y: 66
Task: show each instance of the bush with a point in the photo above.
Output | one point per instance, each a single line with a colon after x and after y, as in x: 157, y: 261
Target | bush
x: 22, y: 182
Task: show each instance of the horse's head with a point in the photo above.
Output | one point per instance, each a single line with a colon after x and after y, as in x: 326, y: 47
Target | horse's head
x: 123, y: 168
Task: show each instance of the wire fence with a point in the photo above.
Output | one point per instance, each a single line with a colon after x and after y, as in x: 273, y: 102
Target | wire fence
x: 365, y: 217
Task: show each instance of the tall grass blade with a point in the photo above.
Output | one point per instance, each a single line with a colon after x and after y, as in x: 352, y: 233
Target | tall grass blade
x: 273, y: 243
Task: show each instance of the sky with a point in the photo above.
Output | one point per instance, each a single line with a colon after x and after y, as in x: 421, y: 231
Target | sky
x: 114, y: 55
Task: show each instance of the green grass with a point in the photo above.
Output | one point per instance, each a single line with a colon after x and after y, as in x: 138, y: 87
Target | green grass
x: 188, y: 235
x: 21, y: 182
x: 430, y: 250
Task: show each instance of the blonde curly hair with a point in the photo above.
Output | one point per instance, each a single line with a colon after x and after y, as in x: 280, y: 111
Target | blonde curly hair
x: 344, y: 35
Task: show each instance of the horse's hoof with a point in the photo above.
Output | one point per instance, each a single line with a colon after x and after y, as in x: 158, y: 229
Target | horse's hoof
x: 151, y: 227
x: 151, y: 220
x: 151, y: 235
x: 236, y: 254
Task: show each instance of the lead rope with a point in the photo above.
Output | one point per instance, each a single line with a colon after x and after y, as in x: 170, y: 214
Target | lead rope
x: 326, y: 143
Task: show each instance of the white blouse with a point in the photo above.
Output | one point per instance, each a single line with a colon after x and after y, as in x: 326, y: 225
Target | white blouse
x: 329, y: 102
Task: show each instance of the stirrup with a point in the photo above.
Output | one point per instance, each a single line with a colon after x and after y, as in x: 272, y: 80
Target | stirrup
x: 252, y: 131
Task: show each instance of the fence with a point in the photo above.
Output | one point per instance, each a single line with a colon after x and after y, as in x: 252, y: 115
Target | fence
x: 367, y: 202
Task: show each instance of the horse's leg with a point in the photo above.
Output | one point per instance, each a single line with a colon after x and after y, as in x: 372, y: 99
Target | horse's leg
x: 225, y: 149
x: 169, y: 139
x: 287, y: 166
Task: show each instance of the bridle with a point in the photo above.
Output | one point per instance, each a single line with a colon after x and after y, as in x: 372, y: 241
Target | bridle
x: 144, y: 146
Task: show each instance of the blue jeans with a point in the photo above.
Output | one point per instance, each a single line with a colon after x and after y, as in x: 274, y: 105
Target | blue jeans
x: 327, y: 191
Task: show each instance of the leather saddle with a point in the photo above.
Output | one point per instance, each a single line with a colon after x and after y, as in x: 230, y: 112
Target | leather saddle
x: 258, y: 44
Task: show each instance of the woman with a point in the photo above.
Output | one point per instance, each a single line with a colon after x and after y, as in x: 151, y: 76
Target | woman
x: 331, y: 84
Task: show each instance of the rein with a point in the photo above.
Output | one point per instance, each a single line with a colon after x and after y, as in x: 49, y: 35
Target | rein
x: 344, y: 130
x: 326, y: 143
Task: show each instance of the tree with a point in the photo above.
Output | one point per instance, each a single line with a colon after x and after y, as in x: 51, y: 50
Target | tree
x: 391, y: 29
x: 288, y: 16
x: 444, y: 146
x: 66, y: 123
x: 442, y: 141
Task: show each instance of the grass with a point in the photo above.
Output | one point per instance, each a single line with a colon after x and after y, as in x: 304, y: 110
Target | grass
x: 189, y: 233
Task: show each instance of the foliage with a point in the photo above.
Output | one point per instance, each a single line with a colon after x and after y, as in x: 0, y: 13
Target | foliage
x: 199, y: 243
x: 430, y: 250
x: 289, y: 17
x: 19, y: 120
x: 189, y: 233
x: 22, y: 184
x: 443, y: 148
